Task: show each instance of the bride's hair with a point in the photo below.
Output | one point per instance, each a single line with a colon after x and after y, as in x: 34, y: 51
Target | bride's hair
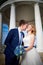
x: 33, y: 29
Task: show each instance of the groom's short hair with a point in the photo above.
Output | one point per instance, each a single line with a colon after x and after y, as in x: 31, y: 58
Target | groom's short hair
x: 22, y: 22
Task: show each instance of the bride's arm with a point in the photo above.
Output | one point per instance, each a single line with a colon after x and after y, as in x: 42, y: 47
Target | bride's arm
x: 31, y: 43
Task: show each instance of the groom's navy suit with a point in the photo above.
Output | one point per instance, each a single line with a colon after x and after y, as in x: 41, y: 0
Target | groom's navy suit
x: 11, y: 42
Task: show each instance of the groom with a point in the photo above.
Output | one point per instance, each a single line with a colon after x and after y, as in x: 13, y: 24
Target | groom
x: 12, y: 41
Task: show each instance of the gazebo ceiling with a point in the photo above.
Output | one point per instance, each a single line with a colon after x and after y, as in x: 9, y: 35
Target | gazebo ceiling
x: 2, y: 1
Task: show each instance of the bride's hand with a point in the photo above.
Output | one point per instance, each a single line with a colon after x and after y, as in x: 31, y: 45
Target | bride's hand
x: 26, y: 49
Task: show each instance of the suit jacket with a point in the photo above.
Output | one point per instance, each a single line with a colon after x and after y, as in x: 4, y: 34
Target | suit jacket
x: 11, y: 42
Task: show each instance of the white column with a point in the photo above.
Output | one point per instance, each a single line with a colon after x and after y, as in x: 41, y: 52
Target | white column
x: 38, y: 28
x: 0, y: 26
x: 12, y: 17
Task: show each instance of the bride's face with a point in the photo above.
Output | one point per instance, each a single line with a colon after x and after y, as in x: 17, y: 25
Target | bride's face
x: 29, y: 28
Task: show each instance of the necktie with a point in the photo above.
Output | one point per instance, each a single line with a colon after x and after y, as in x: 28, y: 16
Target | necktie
x: 21, y: 37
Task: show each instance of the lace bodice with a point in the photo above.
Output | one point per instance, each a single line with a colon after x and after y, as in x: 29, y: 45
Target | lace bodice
x: 26, y: 40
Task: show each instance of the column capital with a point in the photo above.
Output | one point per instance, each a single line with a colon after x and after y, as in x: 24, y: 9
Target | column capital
x: 12, y: 4
x: 36, y: 3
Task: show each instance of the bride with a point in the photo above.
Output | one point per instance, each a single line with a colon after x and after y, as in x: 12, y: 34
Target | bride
x: 31, y: 56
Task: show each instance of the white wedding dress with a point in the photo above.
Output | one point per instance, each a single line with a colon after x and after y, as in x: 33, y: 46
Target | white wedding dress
x: 31, y: 57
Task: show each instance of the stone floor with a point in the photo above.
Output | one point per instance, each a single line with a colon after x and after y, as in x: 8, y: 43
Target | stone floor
x: 2, y: 61
x: 2, y: 58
